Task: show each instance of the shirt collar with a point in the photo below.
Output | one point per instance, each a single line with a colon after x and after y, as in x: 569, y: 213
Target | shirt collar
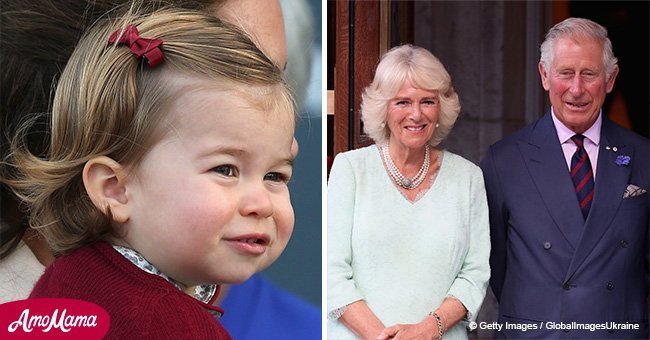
x: 564, y: 133
x: 204, y: 293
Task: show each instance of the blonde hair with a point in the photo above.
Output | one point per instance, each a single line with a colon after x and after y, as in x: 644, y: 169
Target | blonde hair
x: 423, y: 70
x: 109, y: 103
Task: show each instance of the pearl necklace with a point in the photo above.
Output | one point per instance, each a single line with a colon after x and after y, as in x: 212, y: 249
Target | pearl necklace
x: 401, y: 180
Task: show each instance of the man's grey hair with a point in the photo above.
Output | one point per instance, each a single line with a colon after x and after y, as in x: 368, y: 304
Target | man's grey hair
x: 578, y: 28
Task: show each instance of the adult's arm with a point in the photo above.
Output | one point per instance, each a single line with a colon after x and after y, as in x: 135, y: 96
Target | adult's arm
x: 342, y: 293
x: 470, y: 284
x: 361, y: 320
x: 450, y: 312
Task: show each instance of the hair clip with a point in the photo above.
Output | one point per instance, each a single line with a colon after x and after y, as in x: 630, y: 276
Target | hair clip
x: 149, y: 48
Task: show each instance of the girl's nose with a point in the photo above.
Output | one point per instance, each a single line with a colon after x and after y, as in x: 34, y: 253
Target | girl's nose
x: 256, y: 201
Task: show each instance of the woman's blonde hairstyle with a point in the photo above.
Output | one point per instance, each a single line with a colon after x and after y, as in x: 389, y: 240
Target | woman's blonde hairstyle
x: 423, y: 70
x: 109, y: 103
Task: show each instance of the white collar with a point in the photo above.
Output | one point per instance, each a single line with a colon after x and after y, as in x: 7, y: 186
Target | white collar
x: 564, y: 133
x: 203, y: 293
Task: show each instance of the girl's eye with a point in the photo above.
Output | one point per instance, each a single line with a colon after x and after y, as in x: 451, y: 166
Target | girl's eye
x: 276, y: 177
x: 225, y: 170
x: 429, y: 102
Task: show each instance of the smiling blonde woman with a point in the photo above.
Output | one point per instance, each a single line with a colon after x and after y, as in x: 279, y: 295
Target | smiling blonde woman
x: 408, y: 238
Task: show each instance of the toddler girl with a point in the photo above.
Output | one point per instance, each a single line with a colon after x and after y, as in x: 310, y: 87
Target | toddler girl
x: 167, y: 172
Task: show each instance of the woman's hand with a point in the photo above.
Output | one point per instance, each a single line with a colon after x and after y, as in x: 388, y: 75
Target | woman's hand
x: 426, y: 329
x: 361, y: 320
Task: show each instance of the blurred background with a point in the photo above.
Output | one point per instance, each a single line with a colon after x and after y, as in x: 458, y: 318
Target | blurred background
x: 299, y: 268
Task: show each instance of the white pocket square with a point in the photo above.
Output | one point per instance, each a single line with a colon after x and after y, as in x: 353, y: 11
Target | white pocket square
x: 633, y: 191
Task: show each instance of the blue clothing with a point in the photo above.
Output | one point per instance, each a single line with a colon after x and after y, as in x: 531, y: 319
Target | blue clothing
x: 549, y: 265
x: 256, y: 309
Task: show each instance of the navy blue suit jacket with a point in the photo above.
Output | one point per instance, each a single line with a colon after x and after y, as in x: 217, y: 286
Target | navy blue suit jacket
x: 551, y: 268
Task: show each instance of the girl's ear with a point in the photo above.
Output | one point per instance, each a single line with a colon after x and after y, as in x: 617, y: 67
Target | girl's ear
x: 294, y: 147
x: 104, y: 180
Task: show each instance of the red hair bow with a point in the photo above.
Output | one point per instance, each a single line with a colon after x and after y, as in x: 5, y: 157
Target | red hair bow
x: 149, y: 48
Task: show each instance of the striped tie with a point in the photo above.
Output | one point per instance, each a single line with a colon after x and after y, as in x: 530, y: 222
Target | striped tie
x: 582, y: 175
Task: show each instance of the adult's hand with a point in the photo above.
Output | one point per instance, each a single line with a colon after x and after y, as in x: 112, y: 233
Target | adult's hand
x: 426, y: 329
x: 361, y: 320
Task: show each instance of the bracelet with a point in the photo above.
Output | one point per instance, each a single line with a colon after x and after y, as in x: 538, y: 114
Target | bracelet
x: 441, y: 328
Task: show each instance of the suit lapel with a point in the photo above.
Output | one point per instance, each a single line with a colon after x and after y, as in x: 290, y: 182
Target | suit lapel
x: 611, y: 181
x: 544, y: 158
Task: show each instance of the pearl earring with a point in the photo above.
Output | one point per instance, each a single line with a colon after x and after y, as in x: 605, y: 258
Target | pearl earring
x: 437, y: 125
x: 383, y: 125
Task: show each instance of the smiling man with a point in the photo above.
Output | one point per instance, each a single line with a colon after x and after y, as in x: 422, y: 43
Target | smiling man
x: 569, y: 205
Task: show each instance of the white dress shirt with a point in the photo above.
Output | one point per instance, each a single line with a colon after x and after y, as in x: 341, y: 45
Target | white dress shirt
x: 592, y: 141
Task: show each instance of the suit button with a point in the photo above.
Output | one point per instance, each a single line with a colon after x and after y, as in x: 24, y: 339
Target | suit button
x: 624, y: 244
x: 610, y: 286
x: 566, y: 286
x: 547, y: 245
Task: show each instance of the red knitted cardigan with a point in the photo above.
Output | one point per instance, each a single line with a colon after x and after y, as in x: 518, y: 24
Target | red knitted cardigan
x: 140, y: 305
